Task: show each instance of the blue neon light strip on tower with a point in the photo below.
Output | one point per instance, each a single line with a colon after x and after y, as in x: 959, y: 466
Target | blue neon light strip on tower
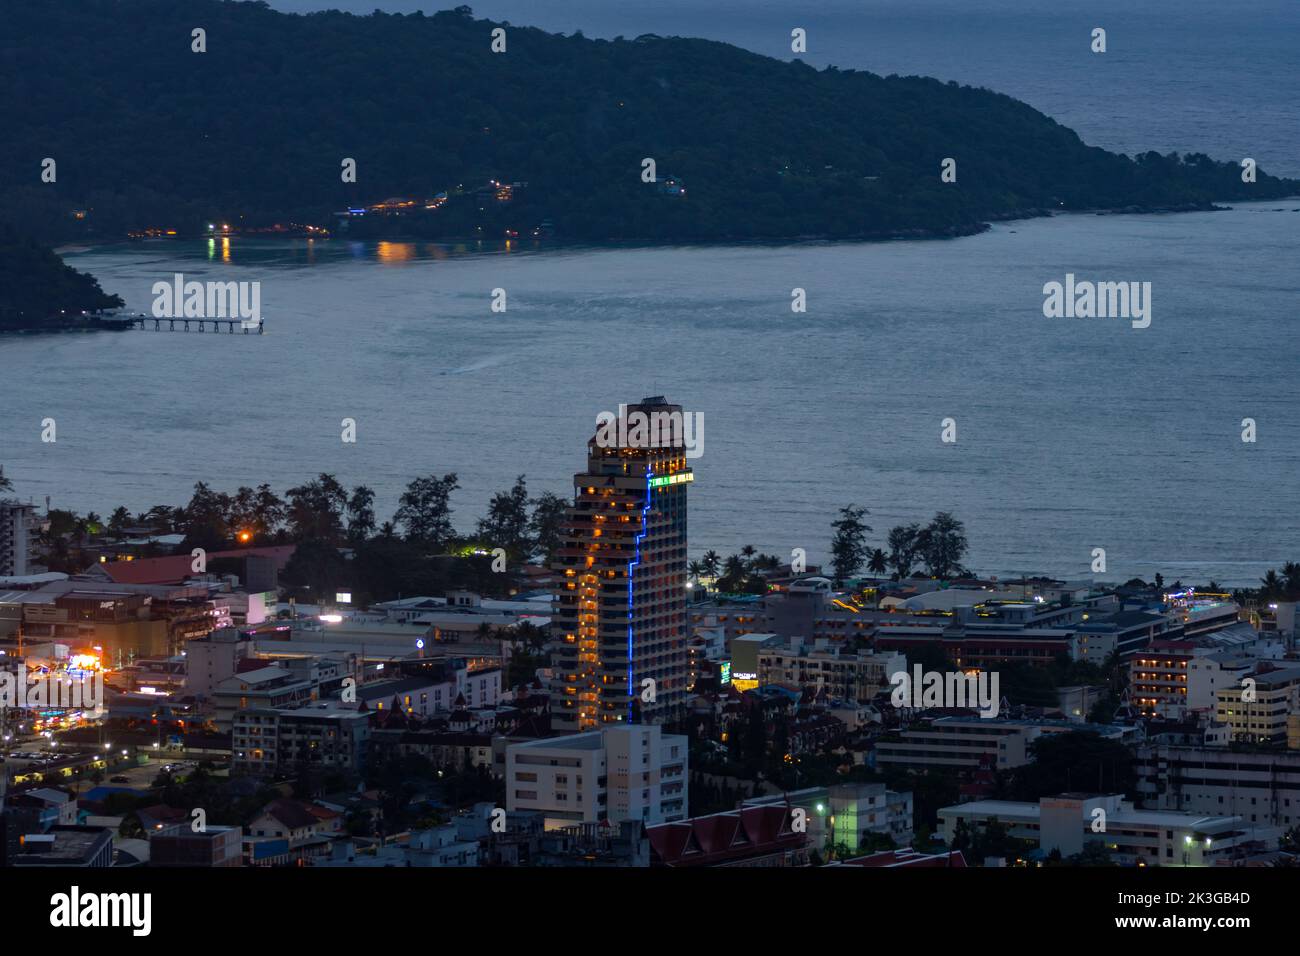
x: 630, y: 566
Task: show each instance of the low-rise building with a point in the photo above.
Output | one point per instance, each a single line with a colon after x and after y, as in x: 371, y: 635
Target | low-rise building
x: 844, y: 674
x: 764, y: 837
x: 182, y: 845
x: 329, y: 735
x: 434, y: 847
x: 849, y: 813
x: 1065, y: 823
x: 1260, y: 785
x: 622, y: 772
x: 65, y: 846
x: 973, y: 743
x: 438, y: 693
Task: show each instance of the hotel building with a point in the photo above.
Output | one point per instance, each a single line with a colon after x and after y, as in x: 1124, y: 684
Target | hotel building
x: 619, y: 625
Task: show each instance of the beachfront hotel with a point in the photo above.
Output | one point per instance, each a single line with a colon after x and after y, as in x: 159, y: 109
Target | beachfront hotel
x: 619, y: 622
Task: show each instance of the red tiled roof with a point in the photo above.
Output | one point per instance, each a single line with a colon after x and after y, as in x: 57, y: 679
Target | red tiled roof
x: 290, y: 813
x: 724, y: 837
x: 177, y: 567
x: 909, y: 857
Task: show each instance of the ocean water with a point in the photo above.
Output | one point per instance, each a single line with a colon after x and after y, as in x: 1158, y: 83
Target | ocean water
x: 1072, y: 434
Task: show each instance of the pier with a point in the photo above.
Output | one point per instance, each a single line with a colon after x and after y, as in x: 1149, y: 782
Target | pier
x: 151, y: 323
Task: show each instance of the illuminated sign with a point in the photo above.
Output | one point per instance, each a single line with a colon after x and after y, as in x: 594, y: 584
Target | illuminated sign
x: 677, y: 479
x: 724, y: 672
x: 343, y: 597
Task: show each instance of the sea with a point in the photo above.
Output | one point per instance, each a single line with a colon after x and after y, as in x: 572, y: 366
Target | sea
x: 1071, y: 434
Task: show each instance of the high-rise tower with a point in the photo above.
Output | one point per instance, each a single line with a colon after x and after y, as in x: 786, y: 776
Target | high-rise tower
x: 619, y: 622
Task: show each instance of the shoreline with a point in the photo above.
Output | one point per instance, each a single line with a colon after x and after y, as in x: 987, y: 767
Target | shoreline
x: 952, y: 232
x: 87, y: 326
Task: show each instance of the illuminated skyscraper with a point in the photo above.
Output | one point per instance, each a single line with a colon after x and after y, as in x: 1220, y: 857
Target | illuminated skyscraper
x: 619, y: 627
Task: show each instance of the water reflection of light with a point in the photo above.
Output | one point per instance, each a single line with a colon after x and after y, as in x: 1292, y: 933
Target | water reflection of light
x: 395, y: 251
x: 225, y: 248
x: 212, y: 247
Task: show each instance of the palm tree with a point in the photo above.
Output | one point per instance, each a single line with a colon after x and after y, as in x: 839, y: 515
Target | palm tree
x: 1291, y: 573
x: 694, y: 570
x: 712, y: 563
x: 734, y: 573
x: 878, y: 563
x: 1272, y: 584
x: 119, y: 519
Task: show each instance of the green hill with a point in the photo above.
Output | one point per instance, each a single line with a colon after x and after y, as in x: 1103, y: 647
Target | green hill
x: 147, y: 133
x: 39, y: 291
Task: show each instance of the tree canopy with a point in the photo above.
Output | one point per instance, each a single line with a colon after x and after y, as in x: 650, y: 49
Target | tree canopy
x: 254, y: 130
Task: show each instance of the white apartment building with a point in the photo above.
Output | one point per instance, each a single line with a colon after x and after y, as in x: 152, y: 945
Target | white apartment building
x: 427, y: 696
x: 1258, y: 712
x: 1260, y: 786
x: 1206, y: 676
x: 1153, y: 837
x: 617, y: 773
x: 17, y: 528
